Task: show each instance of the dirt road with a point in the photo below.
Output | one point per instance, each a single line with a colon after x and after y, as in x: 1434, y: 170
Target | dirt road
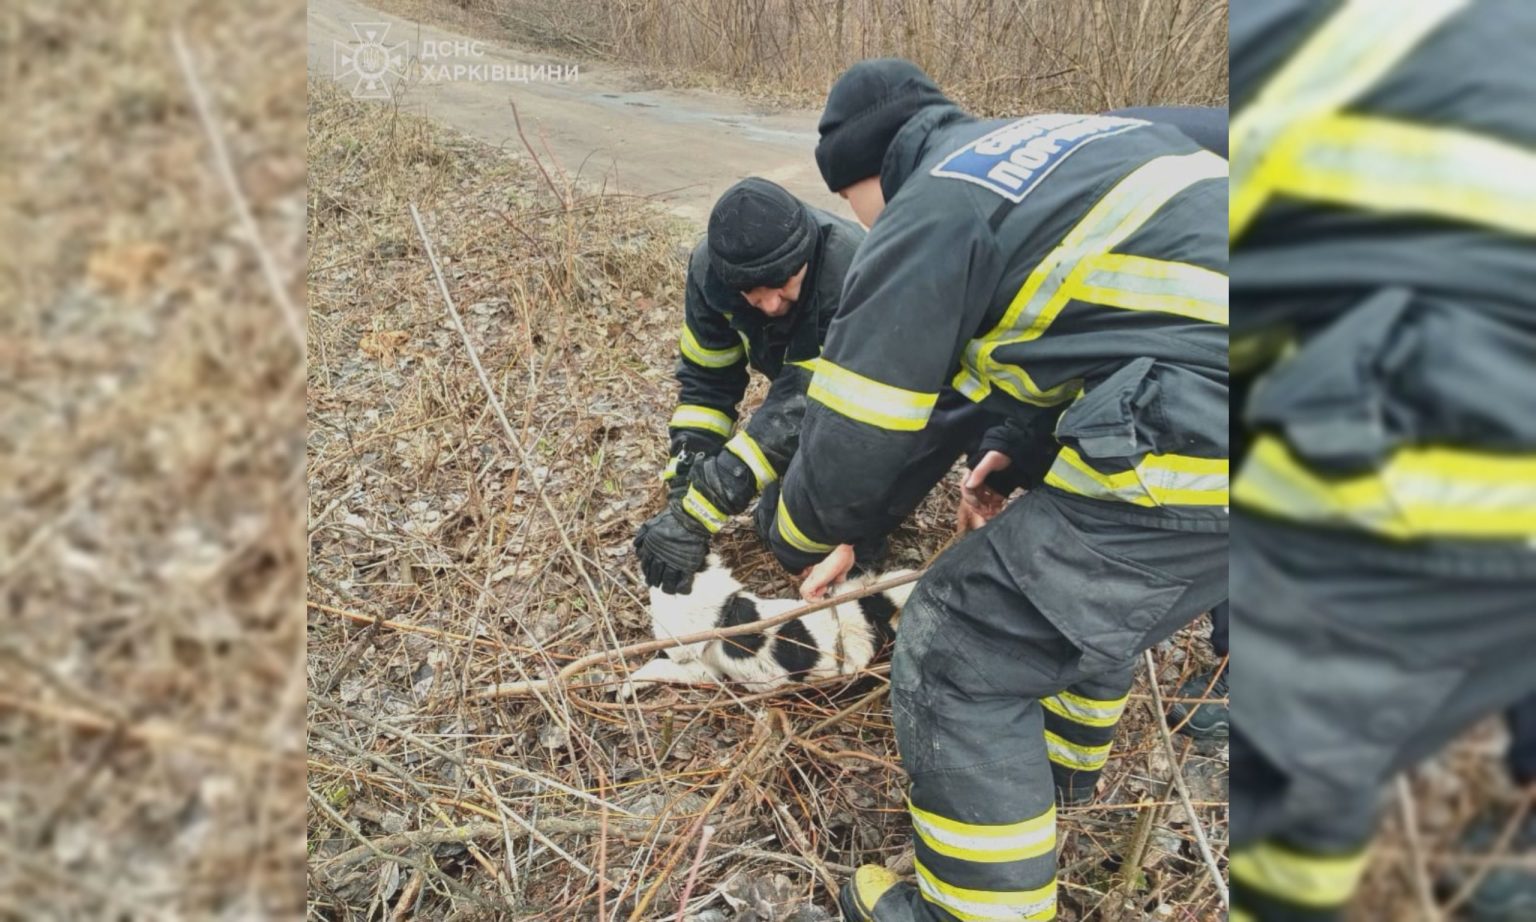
x: 683, y: 146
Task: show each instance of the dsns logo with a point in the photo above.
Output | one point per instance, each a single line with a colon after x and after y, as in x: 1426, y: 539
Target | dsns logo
x: 370, y: 62
x: 1012, y: 160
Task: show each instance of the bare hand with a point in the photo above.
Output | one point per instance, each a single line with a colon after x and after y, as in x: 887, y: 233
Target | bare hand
x: 832, y: 570
x: 979, y: 502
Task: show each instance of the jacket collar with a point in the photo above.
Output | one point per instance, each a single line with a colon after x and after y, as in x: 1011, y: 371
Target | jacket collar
x: 911, y: 143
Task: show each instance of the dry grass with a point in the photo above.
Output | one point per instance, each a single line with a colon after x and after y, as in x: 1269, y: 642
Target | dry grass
x: 151, y: 412
x: 1418, y: 871
x: 997, y: 57
x: 436, y: 570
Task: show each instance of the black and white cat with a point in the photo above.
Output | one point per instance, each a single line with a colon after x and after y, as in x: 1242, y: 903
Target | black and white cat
x: 839, y: 640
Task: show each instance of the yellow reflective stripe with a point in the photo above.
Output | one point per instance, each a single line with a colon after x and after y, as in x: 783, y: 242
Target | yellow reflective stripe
x: 1392, y: 166
x: 870, y: 401
x: 1117, y: 215
x: 1138, y: 283
x: 670, y: 470
x: 751, y: 454
x: 1066, y: 753
x: 1256, y: 350
x: 689, y: 416
x: 972, y: 387
x: 796, y: 538
x: 1156, y: 480
x: 1318, y: 882
x: 1086, y: 711
x: 1354, y: 49
x: 985, y: 843
x: 988, y: 905
x: 699, y: 354
x: 696, y: 505
x: 1419, y: 492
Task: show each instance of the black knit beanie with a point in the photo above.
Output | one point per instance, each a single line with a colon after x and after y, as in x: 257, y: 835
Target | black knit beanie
x: 866, y: 107
x: 759, y: 235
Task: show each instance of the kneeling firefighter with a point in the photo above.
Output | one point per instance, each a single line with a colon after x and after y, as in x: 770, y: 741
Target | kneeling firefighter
x: 762, y: 289
x: 1067, y: 273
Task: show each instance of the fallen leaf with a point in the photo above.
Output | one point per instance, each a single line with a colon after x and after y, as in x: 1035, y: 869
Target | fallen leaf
x: 126, y: 267
x: 383, y: 345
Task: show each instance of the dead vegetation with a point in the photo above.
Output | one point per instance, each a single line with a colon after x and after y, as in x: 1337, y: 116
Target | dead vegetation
x: 997, y: 57
x: 437, y: 570
x: 1423, y: 868
x: 151, y: 457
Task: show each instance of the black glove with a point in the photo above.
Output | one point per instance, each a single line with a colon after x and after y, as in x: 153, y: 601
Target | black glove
x: 672, y: 547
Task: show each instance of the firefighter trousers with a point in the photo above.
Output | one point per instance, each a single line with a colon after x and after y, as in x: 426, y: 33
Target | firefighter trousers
x: 1358, y: 659
x: 1010, y: 671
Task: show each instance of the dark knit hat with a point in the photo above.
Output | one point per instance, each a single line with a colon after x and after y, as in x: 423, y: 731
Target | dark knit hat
x: 759, y: 235
x: 866, y: 107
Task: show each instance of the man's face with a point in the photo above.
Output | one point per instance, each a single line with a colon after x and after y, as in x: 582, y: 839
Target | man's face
x: 866, y: 198
x: 776, y: 302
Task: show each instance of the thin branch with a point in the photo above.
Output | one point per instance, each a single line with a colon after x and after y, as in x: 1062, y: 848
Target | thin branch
x: 496, y: 407
x: 1177, y: 776
x: 514, y: 689
x: 1423, y: 890
x: 226, y: 170
x: 148, y: 733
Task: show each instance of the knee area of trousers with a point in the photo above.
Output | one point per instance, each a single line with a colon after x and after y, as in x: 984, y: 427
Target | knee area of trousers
x: 920, y: 618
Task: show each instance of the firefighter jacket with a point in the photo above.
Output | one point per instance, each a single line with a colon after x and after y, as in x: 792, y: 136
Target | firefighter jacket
x: 1383, y: 226
x: 1056, y: 263
x: 722, y: 337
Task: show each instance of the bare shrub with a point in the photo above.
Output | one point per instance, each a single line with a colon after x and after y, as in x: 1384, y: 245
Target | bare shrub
x: 1004, y: 57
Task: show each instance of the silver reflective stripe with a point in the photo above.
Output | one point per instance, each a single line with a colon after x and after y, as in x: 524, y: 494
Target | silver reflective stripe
x: 869, y: 401
x: 1013, y: 842
x: 1136, y: 283
x: 1420, y: 492
x: 1118, y: 215
x: 1115, y: 217
x: 700, y: 354
x: 1354, y: 49
x: 1085, y: 710
x: 751, y: 454
x: 1156, y: 480
x: 691, y: 416
x: 702, y: 509
x: 1071, y: 755
x: 1003, y: 906
x: 1390, y: 166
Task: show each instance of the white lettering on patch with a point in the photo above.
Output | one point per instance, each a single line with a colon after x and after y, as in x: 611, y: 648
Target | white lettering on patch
x: 1012, y: 160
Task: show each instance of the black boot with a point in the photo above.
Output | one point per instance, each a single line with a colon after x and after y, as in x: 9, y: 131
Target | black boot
x: 1206, y: 721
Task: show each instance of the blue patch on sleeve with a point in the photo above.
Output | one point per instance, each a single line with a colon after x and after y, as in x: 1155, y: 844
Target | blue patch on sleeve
x: 1014, y: 159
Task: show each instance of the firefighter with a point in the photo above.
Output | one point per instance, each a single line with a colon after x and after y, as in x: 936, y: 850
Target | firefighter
x: 762, y: 289
x: 1383, y: 228
x: 1065, y: 272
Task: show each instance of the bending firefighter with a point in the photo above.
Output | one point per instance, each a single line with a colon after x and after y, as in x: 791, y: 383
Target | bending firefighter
x: 1383, y: 227
x: 762, y: 289
x: 1067, y: 273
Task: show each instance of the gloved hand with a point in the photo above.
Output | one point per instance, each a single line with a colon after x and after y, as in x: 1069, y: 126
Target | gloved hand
x: 672, y: 547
